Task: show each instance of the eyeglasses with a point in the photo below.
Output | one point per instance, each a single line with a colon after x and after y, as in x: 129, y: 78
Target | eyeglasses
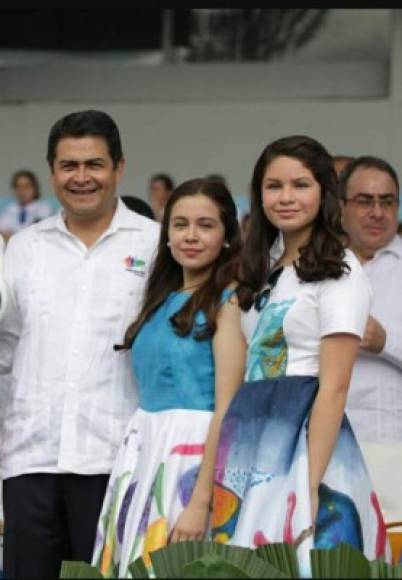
x: 368, y: 203
x: 263, y: 296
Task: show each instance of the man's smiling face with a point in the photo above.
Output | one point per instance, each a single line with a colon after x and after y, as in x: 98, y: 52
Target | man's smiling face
x: 84, y: 176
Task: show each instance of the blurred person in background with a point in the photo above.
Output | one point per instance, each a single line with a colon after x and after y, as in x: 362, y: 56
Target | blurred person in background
x: 160, y: 187
x: 217, y: 177
x: 340, y: 162
x: 27, y: 208
x: 138, y: 205
x: 370, y: 192
x: 242, y: 201
x: 245, y: 226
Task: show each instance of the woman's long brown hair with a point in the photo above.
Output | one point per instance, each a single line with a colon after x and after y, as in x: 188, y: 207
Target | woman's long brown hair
x: 166, y: 274
x: 323, y: 256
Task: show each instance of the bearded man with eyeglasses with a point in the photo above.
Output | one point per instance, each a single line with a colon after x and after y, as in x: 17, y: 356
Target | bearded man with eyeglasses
x: 369, y: 189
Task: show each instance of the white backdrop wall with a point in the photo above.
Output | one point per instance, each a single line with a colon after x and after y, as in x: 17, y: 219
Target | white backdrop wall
x: 190, y: 120
x: 192, y: 139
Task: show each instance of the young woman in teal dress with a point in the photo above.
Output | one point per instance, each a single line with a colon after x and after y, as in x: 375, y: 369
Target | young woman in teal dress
x: 288, y: 465
x: 188, y: 355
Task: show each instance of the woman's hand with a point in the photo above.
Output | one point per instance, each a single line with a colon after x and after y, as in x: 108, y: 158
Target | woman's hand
x: 191, y: 524
x: 374, y: 337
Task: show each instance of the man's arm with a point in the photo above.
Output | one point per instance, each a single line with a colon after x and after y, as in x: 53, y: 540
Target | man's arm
x: 10, y: 321
x: 385, y: 343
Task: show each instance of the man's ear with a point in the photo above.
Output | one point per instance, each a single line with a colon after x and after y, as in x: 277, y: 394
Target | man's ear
x: 121, y: 164
x: 51, y: 176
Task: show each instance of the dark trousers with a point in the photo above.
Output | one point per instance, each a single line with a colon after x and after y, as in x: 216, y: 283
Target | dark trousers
x: 49, y: 518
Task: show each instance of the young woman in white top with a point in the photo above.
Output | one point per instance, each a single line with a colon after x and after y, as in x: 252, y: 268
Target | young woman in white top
x: 288, y: 465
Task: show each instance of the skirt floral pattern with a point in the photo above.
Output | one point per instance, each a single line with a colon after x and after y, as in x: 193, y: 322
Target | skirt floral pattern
x: 261, y: 487
x: 152, y: 481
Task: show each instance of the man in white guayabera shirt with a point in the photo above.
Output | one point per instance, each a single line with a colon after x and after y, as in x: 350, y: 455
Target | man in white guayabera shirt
x: 74, y: 284
x: 370, y: 192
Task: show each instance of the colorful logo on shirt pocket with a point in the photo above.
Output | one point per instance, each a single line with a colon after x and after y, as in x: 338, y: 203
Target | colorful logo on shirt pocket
x: 135, y: 265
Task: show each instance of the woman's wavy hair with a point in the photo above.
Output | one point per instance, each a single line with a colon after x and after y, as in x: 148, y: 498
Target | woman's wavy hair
x: 166, y: 274
x: 323, y: 256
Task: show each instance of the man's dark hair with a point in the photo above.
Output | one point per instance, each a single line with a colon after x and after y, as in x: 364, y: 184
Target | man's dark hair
x: 369, y: 162
x: 167, y: 180
x: 82, y: 124
x: 138, y: 205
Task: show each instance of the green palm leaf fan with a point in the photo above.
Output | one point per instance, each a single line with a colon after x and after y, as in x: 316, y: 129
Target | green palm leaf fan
x: 73, y: 570
x: 344, y: 561
x: 281, y: 556
x: 210, y: 559
x: 138, y: 569
x: 380, y: 569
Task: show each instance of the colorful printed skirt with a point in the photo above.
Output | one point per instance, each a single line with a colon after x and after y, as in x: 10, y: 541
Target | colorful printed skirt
x: 261, y: 488
x: 151, y: 482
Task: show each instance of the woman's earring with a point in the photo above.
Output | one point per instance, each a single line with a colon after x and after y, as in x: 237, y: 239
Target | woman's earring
x: 168, y: 244
x: 226, y: 245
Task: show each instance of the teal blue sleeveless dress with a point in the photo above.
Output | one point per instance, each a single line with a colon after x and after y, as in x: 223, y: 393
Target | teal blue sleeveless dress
x: 158, y: 461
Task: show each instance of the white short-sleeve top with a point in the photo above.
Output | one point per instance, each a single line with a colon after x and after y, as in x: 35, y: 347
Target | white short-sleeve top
x: 284, y: 338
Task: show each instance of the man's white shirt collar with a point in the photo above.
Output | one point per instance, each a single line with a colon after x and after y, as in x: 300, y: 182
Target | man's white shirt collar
x: 394, y: 247
x: 123, y: 218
